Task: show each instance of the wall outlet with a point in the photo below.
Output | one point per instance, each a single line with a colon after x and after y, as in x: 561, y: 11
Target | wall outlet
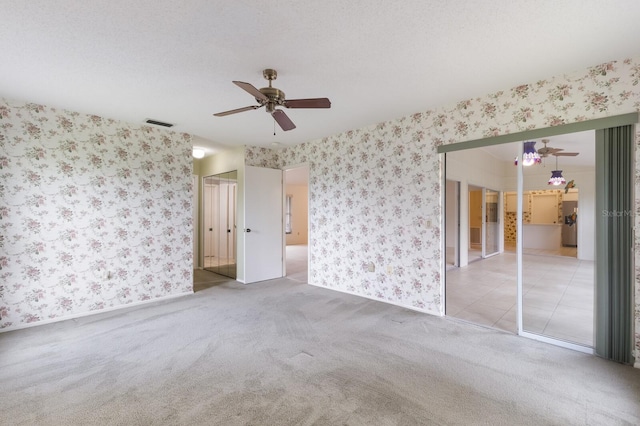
x: 427, y: 223
x: 389, y: 269
x: 371, y: 267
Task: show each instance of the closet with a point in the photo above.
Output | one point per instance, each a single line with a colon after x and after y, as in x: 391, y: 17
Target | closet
x: 219, y: 211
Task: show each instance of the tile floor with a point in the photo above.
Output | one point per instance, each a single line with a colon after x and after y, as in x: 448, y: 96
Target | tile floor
x: 558, y: 295
x: 560, y: 251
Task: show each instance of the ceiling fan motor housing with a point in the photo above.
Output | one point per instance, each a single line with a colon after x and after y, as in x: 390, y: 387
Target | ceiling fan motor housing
x: 274, y: 95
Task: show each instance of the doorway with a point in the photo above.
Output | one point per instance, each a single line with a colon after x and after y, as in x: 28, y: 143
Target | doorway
x: 484, y: 220
x: 475, y: 224
x: 219, y: 195
x: 296, y: 222
x: 452, y: 224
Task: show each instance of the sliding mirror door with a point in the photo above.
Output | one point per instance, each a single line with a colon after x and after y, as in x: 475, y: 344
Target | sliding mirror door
x: 557, y: 271
x: 219, y: 210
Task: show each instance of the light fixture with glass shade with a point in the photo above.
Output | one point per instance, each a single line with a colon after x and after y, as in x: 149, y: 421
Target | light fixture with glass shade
x: 530, y: 156
x: 198, y: 153
x: 556, y: 178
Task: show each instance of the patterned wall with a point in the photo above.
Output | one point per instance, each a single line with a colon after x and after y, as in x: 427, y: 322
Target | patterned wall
x: 373, y: 189
x: 94, y: 213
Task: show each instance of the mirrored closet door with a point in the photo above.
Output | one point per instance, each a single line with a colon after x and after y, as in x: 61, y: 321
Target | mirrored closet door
x: 219, y: 211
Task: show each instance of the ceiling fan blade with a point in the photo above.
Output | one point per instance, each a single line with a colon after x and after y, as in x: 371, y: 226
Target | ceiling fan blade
x: 283, y: 120
x: 234, y: 111
x: 566, y: 154
x: 251, y: 90
x: 549, y: 150
x: 308, y: 103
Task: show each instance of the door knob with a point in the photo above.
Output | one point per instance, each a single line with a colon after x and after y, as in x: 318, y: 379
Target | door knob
x: 247, y: 230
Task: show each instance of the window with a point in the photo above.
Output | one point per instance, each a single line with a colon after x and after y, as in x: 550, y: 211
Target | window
x: 287, y: 215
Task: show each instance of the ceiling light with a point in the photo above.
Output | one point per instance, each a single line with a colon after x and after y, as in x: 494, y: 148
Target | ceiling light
x: 556, y: 178
x: 530, y: 155
x: 198, y: 152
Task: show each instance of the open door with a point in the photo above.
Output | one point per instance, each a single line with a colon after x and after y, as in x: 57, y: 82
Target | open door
x: 263, y: 232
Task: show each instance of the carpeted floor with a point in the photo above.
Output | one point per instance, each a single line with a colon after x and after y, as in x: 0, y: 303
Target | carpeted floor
x: 285, y: 353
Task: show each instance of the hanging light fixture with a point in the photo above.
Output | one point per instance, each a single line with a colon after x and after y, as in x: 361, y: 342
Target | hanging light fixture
x: 556, y: 178
x: 530, y: 156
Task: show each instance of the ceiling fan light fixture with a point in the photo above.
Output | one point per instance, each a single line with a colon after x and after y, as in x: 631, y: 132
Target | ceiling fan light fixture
x: 556, y: 178
x: 530, y: 156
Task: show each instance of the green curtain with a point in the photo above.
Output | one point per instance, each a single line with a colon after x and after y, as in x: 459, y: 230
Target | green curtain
x: 614, y: 244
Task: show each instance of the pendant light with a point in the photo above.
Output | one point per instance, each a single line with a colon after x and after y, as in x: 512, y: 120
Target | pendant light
x: 556, y: 178
x: 530, y: 156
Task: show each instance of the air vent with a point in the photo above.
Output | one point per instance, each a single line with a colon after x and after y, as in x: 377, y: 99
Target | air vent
x: 158, y: 123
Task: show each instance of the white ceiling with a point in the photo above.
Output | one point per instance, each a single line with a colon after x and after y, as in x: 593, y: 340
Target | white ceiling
x: 375, y: 59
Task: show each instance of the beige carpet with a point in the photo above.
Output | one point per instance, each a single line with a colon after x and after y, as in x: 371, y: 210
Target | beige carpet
x: 285, y: 353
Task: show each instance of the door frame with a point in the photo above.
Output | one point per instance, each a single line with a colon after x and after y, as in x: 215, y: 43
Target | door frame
x: 284, y: 195
x: 456, y: 226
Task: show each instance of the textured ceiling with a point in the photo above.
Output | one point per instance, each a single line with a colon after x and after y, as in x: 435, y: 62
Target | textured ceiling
x: 375, y: 59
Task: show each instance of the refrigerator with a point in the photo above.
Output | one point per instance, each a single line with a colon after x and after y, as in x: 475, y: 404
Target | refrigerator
x: 570, y: 223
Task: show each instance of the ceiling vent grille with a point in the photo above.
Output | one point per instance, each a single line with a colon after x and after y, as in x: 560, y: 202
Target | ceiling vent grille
x: 158, y: 123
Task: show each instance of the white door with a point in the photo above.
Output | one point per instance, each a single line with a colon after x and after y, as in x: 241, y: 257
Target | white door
x: 263, y: 234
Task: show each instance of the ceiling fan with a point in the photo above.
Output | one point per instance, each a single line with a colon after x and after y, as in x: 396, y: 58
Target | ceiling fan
x: 271, y: 97
x: 547, y: 150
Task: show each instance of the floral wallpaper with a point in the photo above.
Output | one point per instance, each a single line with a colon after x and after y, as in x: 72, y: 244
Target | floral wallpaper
x: 94, y: 213
x: 375, y: 191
